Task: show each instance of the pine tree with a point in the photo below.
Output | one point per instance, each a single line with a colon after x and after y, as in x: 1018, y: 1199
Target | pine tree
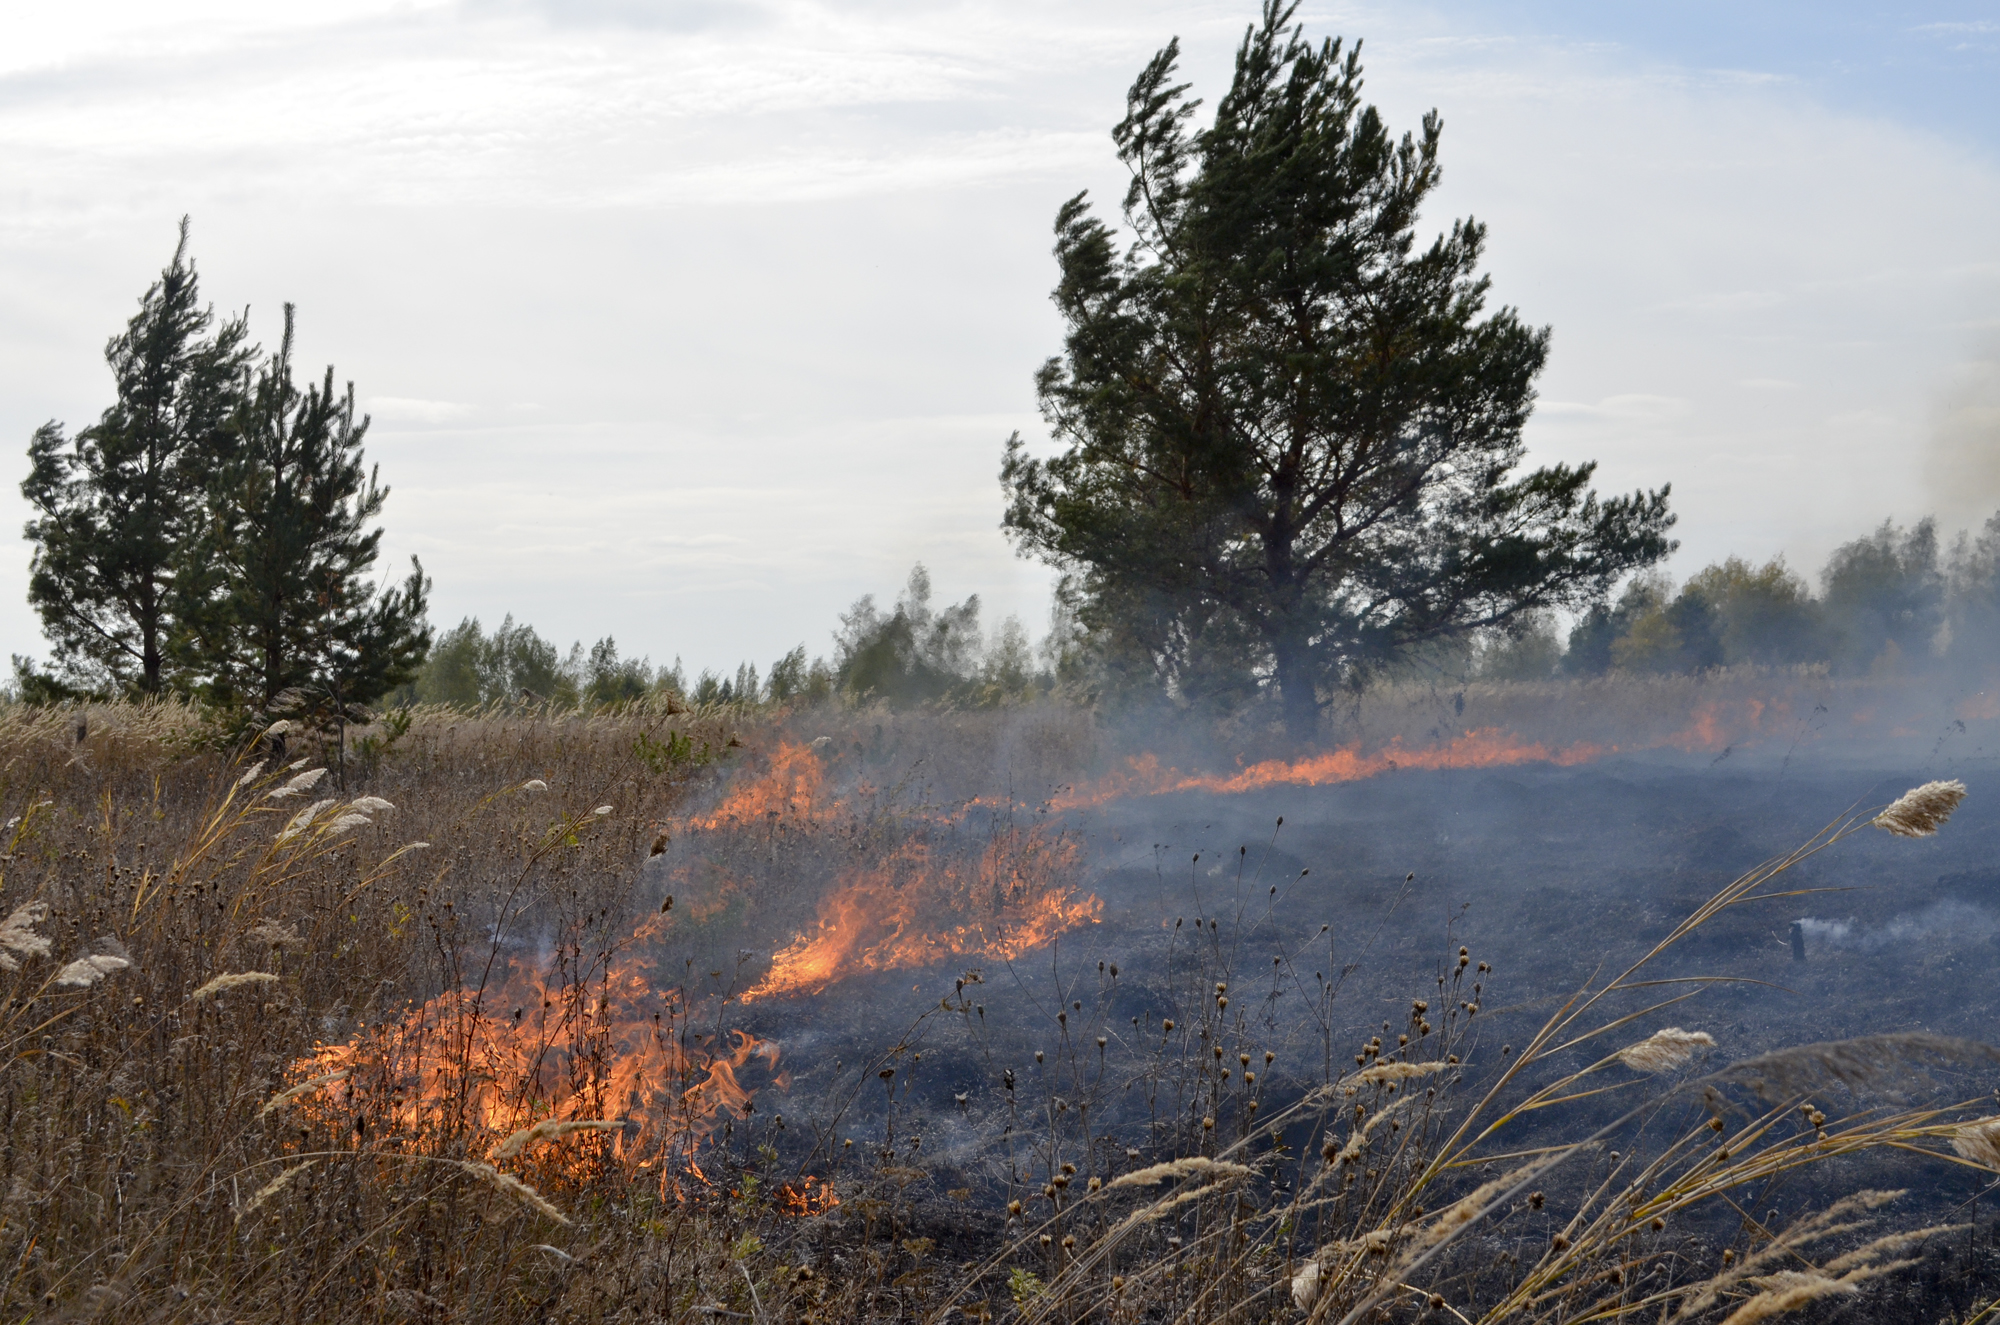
x: 284, y: 607
x: 1291, y: 433
x: 114, y: 505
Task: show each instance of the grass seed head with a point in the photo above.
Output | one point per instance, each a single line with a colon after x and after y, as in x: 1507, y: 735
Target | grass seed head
x: 87, y: 971
x: 18, y: 936
x: 1921, y: 811
x: 1664, y: 1050
x: 222, y: 984
x: 1979, y: 1141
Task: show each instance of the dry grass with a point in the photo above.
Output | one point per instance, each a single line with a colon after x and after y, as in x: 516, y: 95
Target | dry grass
x: 367, y: 1042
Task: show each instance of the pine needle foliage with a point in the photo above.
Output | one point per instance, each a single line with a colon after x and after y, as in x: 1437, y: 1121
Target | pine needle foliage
x: 1290, y: 433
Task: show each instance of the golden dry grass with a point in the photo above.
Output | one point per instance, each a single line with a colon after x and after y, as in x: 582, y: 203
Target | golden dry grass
x: 278, y: 1086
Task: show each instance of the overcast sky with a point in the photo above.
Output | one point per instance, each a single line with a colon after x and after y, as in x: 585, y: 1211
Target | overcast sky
x: 690, y: 322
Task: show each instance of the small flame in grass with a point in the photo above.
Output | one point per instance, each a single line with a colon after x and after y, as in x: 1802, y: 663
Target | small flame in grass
x: 793, y: 785
x: 921, y: 906
x: 807, y: 1197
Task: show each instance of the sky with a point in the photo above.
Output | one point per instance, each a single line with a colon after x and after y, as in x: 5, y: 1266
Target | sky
x: 690, y: 322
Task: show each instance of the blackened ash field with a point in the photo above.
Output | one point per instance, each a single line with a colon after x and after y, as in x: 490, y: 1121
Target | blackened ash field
x: 1327, y: 925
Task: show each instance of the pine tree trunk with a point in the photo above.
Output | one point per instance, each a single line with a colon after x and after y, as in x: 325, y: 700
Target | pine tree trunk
x: 1297, y: 698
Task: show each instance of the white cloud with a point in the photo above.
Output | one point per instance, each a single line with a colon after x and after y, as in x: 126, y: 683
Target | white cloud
x: 777, y: 279
x: 401, y: 409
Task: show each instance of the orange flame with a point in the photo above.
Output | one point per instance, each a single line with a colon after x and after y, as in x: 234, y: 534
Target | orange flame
x: 1488, y: 748
x: 792, y: 785
x: 481, y: 1067
x: 884, y: 917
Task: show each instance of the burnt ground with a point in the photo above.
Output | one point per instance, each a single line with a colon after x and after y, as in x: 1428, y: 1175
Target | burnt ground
x: 1552, y: 875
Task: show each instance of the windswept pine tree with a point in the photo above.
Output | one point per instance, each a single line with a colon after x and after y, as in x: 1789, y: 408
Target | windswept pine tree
x: 1291, y: 434
x: 116, y: 504
x: 284, y: 601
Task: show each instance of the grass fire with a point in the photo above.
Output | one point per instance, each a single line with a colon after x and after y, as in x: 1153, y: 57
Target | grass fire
x: 1404, y: 883
x: 856, y: 1014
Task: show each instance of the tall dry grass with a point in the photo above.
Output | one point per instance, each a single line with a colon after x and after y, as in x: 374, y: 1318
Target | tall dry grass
x: 278, y: 1060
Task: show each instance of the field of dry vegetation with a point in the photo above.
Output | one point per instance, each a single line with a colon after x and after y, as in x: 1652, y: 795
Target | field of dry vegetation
x: 486, y: 1017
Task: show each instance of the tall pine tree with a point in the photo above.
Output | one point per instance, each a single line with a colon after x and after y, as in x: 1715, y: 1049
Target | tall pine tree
x: 1291, y: 436
x: 115, y: 504
x: 284, y: 604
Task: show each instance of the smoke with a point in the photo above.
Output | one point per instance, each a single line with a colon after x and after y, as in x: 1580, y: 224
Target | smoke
x: 1957, y: 920
x: 1962, y: 468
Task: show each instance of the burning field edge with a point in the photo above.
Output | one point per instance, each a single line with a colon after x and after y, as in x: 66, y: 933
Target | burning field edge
x: 548, y: 1015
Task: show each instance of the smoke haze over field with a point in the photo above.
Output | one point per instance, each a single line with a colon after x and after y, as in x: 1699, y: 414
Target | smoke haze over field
x: 1964, y: 463
x: 695, y: 322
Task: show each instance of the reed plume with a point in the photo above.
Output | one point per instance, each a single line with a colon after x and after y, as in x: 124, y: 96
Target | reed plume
x: 222, y: 984
x: 18, y: 936
x: 1921, y: 811
x: 1663, y: 1051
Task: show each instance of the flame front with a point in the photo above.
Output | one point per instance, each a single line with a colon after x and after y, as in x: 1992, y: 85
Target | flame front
x: 904, y: 889
x: 886, y: 916
x: 479, y: 1068
x: 1144, y: 775
x: 793, y: 785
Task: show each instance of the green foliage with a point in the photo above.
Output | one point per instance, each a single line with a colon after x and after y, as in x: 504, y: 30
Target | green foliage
x: 31, y: 685
x: 916, y: 654
x: 371, y: 749
x: 116, y: 505
x: 1972, y: 597
x: 1024, y: 1286
x: 514, y: 665
x: 606, y: 679
x: 677, y: 753
x: 1289, y: 435
x: 1884, y: 598
x: 1888, y: 605
x: 468, y: 669
x: 912, y: 654
x: 1531, y: 651
x: 795, y: 680
x: 277, y: 596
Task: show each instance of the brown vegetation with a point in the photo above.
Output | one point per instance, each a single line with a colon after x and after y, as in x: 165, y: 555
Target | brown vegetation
x: 424, y: 1036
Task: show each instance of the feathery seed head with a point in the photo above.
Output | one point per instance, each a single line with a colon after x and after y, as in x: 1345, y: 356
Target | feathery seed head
x: 1398, y: 1071
x: 303, y: 820
x: 1665, y: 1050
x: 273, y: 1187
x: 87, y: 971
x: 1979, y: 1141
x: 274, y: 935
x: 222, y: 984
x: 17, y: 935
x: 285, y: 1098
x: 514, y: 1187
x: 297, y: 784
x: 1921, y: 811
x: 1305, y: 1286
x: 551, y: 1129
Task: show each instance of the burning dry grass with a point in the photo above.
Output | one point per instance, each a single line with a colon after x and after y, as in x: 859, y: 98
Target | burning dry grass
x: 445, y: 1033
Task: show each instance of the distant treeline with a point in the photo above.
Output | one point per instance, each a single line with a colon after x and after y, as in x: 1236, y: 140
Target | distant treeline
x: 1893, y: 602
x: 908, y: 654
